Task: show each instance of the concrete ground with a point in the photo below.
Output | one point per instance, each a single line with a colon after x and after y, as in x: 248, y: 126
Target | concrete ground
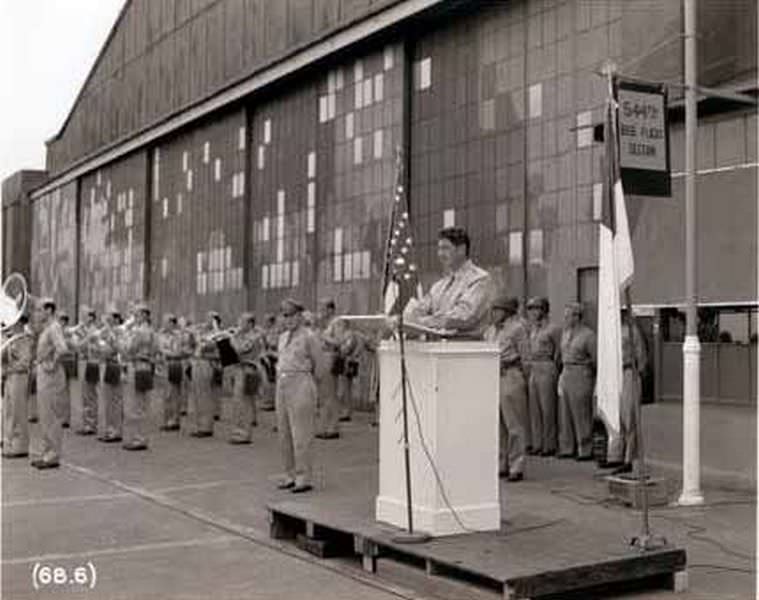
x: 187, y: 519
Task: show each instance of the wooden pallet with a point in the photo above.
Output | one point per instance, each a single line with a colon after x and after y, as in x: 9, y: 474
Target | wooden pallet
x: 529, y: 558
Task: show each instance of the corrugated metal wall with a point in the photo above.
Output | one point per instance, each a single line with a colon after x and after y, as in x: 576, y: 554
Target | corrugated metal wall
x: 17, y: 221
x: 112, y: 234
x: 166, y: 53
x: 198, y: 220
x: 53, y: 247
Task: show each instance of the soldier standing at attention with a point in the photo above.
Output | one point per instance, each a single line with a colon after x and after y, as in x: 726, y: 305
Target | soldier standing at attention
x: 576, y: 383
x: 51, y: 386
x: 329, y: 411
x: 509, y: 333
x: 111, y: 391
x: 17, y: 363
x: 460, y: 300
x: 543, y: 367
x: 201, y: 399
x: 248, y: 343
x: 170, y: 347
x: 140, y: 347
x: 90, y: 373
x: 187, y: 344
x: 70, y: 367
x: 623, y: 450
x: 269, y: 362
x: 300, y: 360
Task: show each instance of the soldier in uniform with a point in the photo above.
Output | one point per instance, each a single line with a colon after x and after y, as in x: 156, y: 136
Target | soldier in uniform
x: 248, y: 343
x: 87, y: 348
x: 623, y: 449
x: 509, y: 332
x: 187, y: 344
x: 105, y: 344
x: 300, y: 360
x: 70, y: 366
x: 202, y: 403
x: 140, y: 348
x: 460, y: 300
x: 329, y: 411
x: 172, y: 354
x: 543, y: 367
x: 17, y: 363
x: 349, y: 352
x: 51, y: 386
x: 576, y: 383
x: 269, y: 362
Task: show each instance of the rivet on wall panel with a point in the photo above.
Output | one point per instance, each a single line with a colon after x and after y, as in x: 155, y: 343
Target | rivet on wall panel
x: 367, y: 91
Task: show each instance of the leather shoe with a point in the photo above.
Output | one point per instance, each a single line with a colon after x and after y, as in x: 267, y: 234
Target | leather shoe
x: 303, y: 487
x: 566, y: 456
x: 503, y: 473
x: 286, y: 485
x: 201, y: 434
x: 625, y: 468
x: 15, y: 454
x: 345, y: 419
x: 609, y: 464
x: 172, y: 427
x: 110, y: 439
x: 42, y: 465
x: 328, y: 436
x: 516, y: 477
x: 548, y: 453
x: 238, y: 441
x: 584, y: 458
x: 135, y: 447
x: 85, y: 431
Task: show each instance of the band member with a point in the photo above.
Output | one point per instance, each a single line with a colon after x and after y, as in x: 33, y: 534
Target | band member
x: 17, y: 363
x: 170, y: 371
x: 140, y: 347
x: 509, y: 333
x: 269, y: 362
x: 329, y: 411
x: 87, y: 348
x: 202, y: 402
x: 70, y: 366
x: 51, y: 386
x: 187, y: 343
x: 578, y: 356
x: 349, y: 352
x: 543, y: 368
x: 460, y: 300
x: 105, y: 343
x: 300, y: 361
x: 248, y: 343
x: 623, y: 449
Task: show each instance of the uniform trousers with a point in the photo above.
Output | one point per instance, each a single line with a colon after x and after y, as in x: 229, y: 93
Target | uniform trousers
x: 329, y: 409
x: 576, y: 410
x: 201, y: 401
x: 543, y: 406
x: 51, y: 385
x: 345, y: 395
x: 89, y: 401
x: 110, y: 407
x: 243, y: 405
x: 624, y: 447
x: 15, y: 414
x: 513, y: 421
x: 135, y: 412
x: 296, y: 410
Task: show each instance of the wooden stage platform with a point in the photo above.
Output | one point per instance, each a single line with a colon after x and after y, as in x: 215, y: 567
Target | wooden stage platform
x: 530, y: 557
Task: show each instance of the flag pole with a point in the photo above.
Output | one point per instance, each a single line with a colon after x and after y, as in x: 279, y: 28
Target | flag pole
x: 645, y: 541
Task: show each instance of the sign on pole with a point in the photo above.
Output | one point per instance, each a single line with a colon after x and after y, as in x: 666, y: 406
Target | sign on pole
x: 644, y: 139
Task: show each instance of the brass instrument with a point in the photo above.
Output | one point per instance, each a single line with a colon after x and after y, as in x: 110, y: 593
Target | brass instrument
x: 14, y: 298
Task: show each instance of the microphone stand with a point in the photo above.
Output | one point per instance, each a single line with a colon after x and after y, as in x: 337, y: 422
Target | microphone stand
x: 410, y: 536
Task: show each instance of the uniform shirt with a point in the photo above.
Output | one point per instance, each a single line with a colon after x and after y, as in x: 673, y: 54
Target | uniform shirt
x: 108, y: 341
x: 141, y: 343
x: 51, y: 346
x: 88, y: 346
x: 578, y: 346
x: 249, y: 345
x: 17, y: 356
x: 544, y: 342
x: 170, y: 344
x: 69, y: 335
x: 459, y: 301
x: 206, y: 348
x: 636, y: 345
x: 511, y: 337
x: 330, y: 336
x: 300, y: 350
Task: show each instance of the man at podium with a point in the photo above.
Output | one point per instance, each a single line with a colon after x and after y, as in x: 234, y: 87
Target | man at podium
x: 460, y: 300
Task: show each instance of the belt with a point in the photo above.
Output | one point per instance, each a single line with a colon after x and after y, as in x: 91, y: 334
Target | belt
x: 627, y: 366
x: 542, y: 360
x: 511, y: 364
x: 15, y: 372
x: 285, y: 373
x: 576, y: 364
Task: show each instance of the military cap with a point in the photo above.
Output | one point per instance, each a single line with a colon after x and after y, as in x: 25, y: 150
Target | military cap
x: 142, y: 307
x: 63, y: 315
x: 169, y: 317
x: 507, y: 303
x: 213, y: 314
x: 574, y: 308
x: 88, y: 310
x: 538, y: 302
x: 291, y: 305
x: 47, y: 301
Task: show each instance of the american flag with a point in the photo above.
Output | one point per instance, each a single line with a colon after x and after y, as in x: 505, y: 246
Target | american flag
x: 401, y: 280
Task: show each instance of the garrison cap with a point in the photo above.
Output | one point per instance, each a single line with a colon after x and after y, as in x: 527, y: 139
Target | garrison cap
x: 290, y: 304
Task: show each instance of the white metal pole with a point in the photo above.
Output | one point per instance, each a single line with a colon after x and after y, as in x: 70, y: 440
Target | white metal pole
x: 691, y: 493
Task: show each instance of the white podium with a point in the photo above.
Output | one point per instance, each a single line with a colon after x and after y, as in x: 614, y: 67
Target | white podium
x: 455, y: 386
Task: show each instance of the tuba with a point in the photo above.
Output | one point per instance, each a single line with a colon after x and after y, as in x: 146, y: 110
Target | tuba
x: 13, y: 300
